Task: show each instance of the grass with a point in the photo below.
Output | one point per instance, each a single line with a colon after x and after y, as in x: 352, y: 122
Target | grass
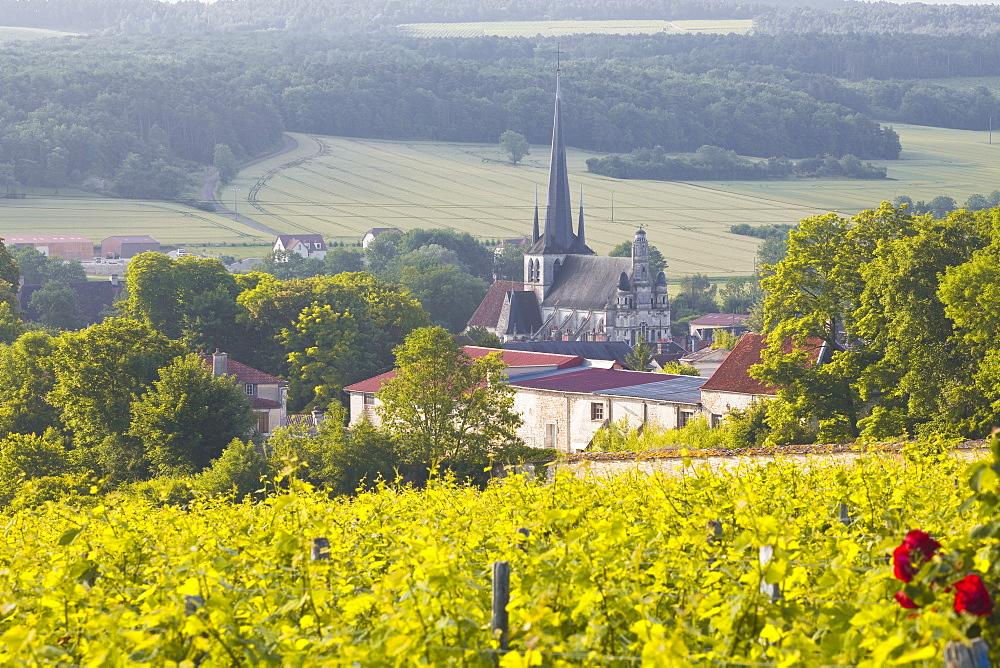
x: 12, y: 33
x: 80, y: 212
x: 558, y: 28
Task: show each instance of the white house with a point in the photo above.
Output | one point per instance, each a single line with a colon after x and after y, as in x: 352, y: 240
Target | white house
x: 565, y: 399
x: 306, y: 245
x: 267, y: 394
x: 371, y: 234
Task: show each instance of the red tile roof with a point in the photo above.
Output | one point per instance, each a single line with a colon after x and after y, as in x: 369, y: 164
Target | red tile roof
x: 257, y: 402
x: 243, y: 373
x: 593, y: 380
x: 488, y: 313
x: 512, y: 358
x: 733, y: 375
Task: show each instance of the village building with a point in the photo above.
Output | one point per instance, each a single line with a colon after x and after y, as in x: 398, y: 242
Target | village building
x: 128, y: 246
x: 373, y: 233
x: 565, y: 399
x: 706, y: 361
x: 609, y: 354
x: 65, y: 246
x: 703, y: 328
x: 305, y: 245
x: 732, y: 387
x: 568, y: 292
x: 267, y: 394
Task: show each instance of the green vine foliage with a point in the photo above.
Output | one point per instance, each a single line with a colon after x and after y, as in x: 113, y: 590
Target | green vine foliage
x: 615, y: 571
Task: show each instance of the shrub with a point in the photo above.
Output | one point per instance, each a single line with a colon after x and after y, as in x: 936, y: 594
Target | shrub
x: 239, y: 471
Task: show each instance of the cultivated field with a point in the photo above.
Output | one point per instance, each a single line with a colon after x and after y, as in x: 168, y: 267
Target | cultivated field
x: 341, y: 187
x: 558, y: 28
x: 11, y: 33
x: 80, y: 212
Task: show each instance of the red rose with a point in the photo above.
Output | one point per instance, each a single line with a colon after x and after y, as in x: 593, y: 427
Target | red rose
x: 917, y: 548
x: 971, y: 596
x: 905, y: 601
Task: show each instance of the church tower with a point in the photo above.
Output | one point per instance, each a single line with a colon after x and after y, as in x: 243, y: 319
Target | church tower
x: 547, y: 253
x: 643, y: 308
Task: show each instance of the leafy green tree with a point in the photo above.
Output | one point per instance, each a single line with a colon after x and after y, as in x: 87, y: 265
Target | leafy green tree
x: 340, y: 260
x: 483, y: 337
x: 641, y: 356
x: 679, y: 369
x: 58, y: 306
x: 508, y: 264
x: 739, y: 295
x: 288, y: 264
x: 11, y: 324
x: 364, y: 458
x: 382, y: 250
x: 514, y: 145
x: 449, y: 295
x: 99, y: 373
x: 241, y: 470
x: 26, y: 378
x: 225, y: 163
x: 27, y: 456
x: 443, y: 406
x: 10, y: 272
x: 724, y: 339
x: 37, y: 269
x: 188, y: 417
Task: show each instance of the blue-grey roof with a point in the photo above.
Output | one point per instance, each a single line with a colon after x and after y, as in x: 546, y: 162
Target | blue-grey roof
x: 677, y: 389
x: 593, y: 350
x: 587, y: 282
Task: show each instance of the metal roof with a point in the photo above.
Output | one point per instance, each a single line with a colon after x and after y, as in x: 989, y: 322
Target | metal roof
x: 676, y: 389
x: 591, y: 380
x: 720, y: 319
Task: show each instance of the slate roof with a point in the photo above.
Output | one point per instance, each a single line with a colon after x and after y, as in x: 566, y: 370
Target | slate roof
x: 512, y: 358
x: 488, y: 313
x: 13, y: 239
x: 720, y: 319
x: 93, y: 297
x: 525, y: 317
x: 680, y: 389
x: 592, y: 350
x: 733, y: 374
x: 707, y: 355
x: 133, y: 239
x: 592, y: 380
x: 587, y: 282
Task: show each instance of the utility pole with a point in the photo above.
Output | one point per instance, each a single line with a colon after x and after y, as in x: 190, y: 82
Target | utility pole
x: 236, y: 215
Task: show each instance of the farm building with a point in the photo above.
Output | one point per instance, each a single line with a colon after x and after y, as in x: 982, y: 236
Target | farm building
x: 570, y: 293
x: 128, y: 246
x: 306, y: 245
x: 66, y: 246
x: 565, y: 399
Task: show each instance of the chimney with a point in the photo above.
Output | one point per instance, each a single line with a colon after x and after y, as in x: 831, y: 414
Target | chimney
x: 317, y: 417
x: 220, y: 362
x: 114, y: 280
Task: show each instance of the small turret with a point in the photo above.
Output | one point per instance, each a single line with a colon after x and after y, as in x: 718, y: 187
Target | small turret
x: 640, y: 258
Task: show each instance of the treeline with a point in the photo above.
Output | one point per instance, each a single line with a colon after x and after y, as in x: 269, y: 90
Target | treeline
x: 337, y: 16
x: 714, y: 163
x: 126, y: 114
x: 884, y: 17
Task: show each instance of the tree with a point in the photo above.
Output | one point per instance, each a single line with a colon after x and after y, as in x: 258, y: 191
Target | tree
x: 514, y: 145
x: 741, y: 294
x: 340, y: 260
x: 508, y: 264
x: 449, y: 295
x: 443, y: 406
x: 679, y: 369
x: 26, y: 378
x: 57, y: 306
x: 37, y: 269
x: 225, y: 162
x: 483, y: 337
x: 724, y: 339
x: 27, y: 456
x: 10, y: 271
x: 241, y: 470
x: 188, y: 417
x: 289, y: 264
x: 641, y: 356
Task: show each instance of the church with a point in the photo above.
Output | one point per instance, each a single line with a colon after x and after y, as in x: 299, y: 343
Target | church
x: 568, y: 292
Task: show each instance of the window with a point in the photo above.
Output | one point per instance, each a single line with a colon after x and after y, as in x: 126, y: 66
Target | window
x: 550, y: 436
x: 250, y: 390
x: 597, y: 410
x: 369, y: 399
x: 684, y: 417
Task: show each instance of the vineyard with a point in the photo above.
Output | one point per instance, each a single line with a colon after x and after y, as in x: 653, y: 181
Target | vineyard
x: 622, y: 571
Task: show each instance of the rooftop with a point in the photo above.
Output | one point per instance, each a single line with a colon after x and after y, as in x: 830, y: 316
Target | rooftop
x: 594, y: 380
x: 43, y: 238
x: 720, y: 319
x: 733, y: 375
x: 243, y: 373
x: 488, y: 313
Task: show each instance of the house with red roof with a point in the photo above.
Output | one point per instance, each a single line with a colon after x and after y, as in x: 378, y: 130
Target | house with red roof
x: 732, y: 387
x: 564, y: 400
x: 267, y: 394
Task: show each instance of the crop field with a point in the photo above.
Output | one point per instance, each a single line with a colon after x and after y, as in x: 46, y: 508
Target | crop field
x: 80, y: 212
x: 558, y: 28
x: 934, y: 161
x: 11, y: 33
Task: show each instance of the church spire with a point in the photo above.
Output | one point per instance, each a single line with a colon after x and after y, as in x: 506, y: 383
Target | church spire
x: 559, y: 235
x: 579, y: 230
x: 534, y: 230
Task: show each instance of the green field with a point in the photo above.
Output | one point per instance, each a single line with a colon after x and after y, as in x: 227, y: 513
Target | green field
x: 12, y: 33
x: 341, y: 187
x: 558, y: 28
x: 80, y: 212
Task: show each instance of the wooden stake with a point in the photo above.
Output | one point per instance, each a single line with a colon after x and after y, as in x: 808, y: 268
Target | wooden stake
x: 320, y: 549
x: 501, y: 598
x: 961, y: 655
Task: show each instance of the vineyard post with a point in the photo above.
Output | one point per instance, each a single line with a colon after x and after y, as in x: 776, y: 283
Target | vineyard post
x: 501, y: 597
x: 320, y: 549
x: 771, y: 590
x: 973, y: 655
x: 716, y: 527
x: 523, y: 542
x: 845, y: 517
